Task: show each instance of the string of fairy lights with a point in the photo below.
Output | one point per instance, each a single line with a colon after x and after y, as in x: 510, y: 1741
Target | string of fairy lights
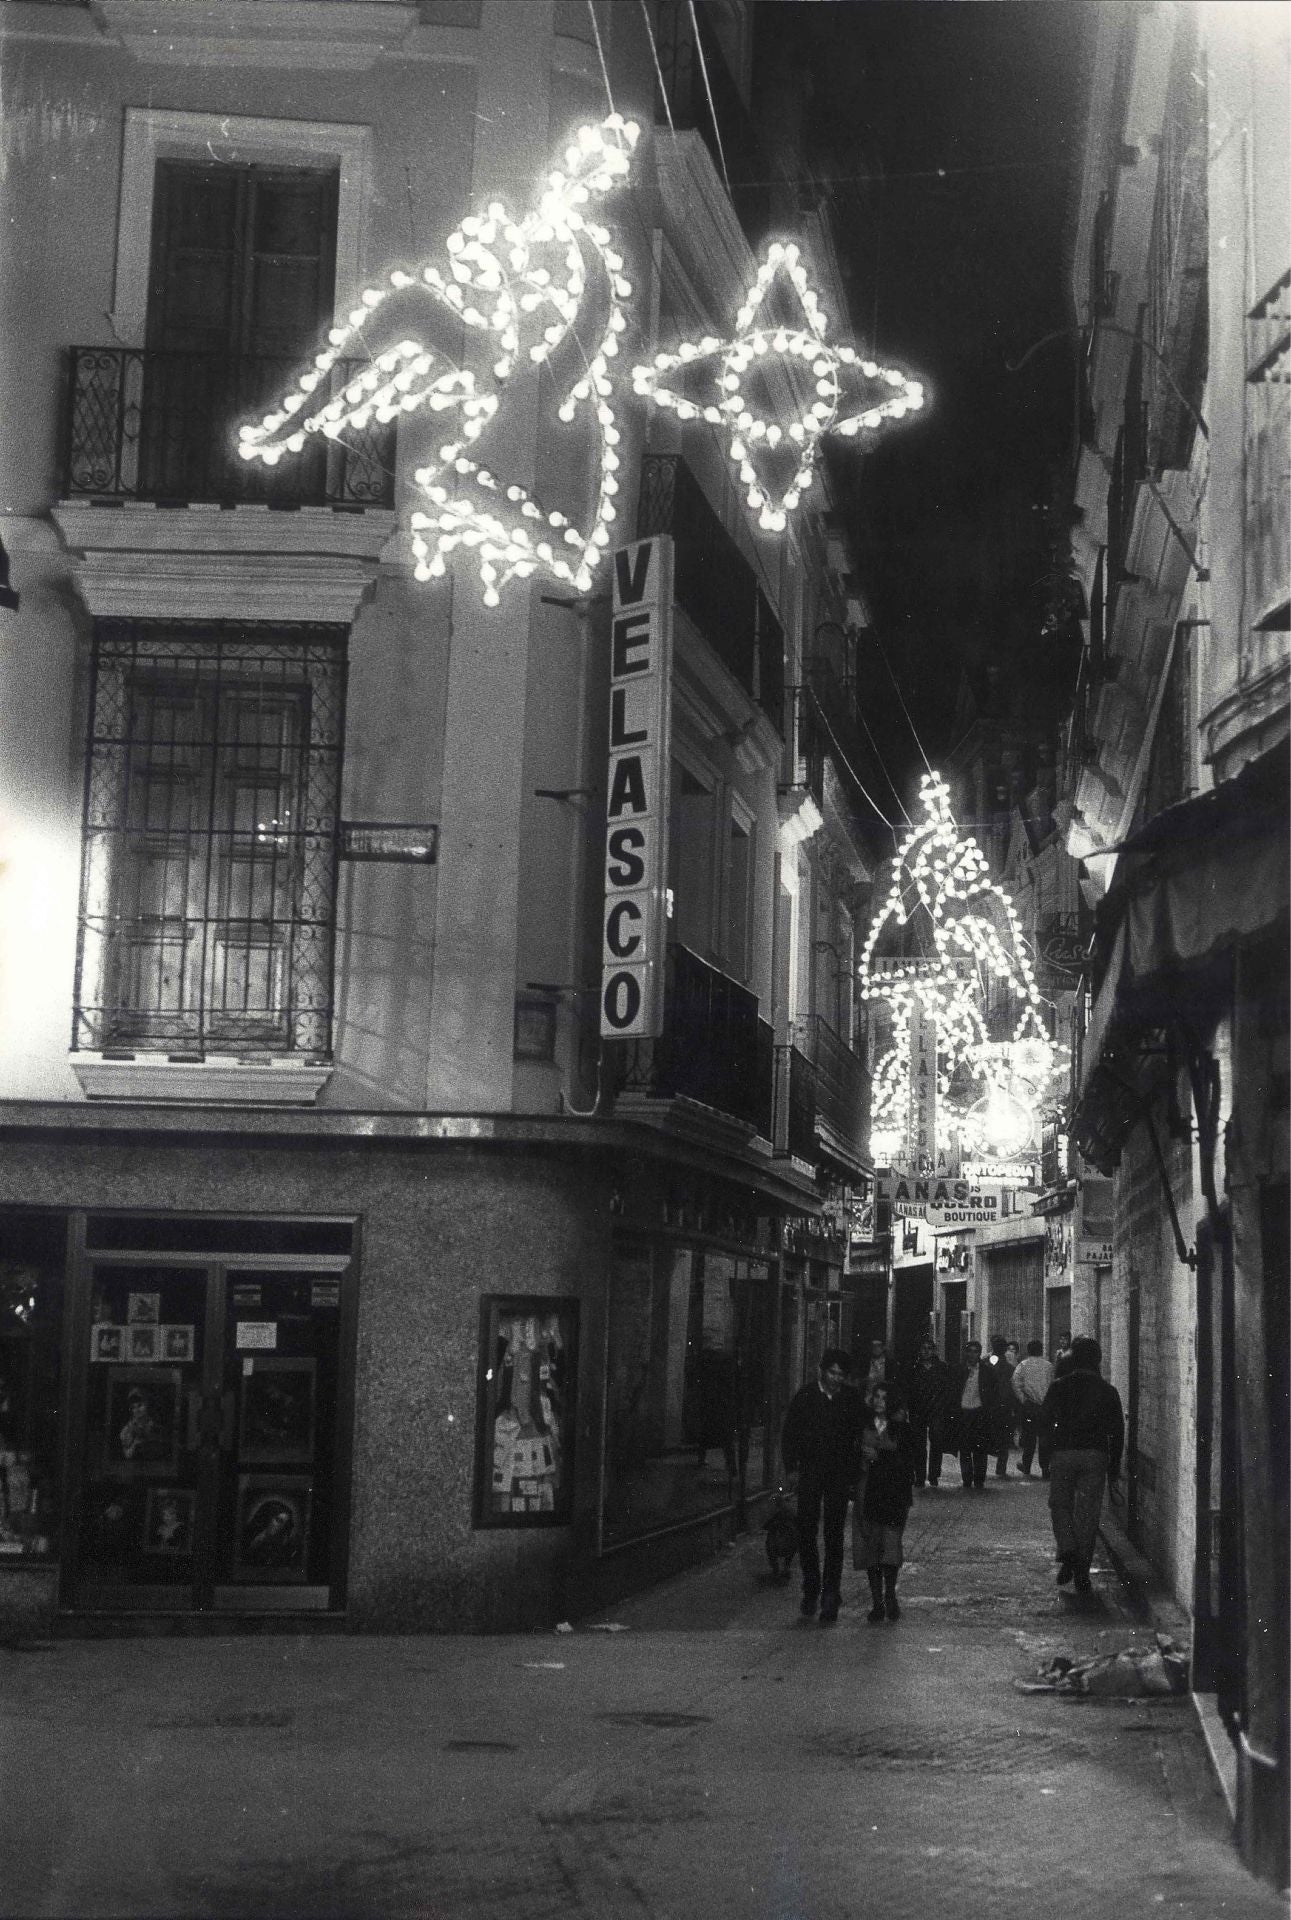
x: 749, y: 431
x: 506, y: 279
x: 525, y: 284
x: 941, y: 874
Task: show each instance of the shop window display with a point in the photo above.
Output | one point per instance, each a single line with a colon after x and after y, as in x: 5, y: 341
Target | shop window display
x: 686, y: 1410
x: 31, y: 1313
x: 525, y: 1434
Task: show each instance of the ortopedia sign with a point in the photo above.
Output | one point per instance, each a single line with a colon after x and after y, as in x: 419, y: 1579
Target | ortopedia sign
x: 634, y: 930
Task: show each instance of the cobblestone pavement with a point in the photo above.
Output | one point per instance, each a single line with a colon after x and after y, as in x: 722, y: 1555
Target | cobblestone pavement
x: 717, y: 1756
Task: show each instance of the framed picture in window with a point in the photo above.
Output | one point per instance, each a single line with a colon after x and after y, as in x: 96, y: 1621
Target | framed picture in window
x: 535, y: 1028
x: 276, y: 1419
x: 525, y: 1411
x: 141, y: 1424
x: 271, y: 1536
x: 107, y: 1342
x: 169, y: 1518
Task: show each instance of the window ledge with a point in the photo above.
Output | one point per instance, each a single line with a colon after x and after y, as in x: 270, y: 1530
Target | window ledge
x: 799, y: 817
x: 259, y: 33
x: 214, y: 1083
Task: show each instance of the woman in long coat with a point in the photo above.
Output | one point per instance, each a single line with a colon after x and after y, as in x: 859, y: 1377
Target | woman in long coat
x: 883, y: 1498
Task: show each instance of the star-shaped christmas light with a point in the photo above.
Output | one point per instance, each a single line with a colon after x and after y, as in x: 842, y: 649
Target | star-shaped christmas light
x: 893, y: 393
x: 510, y: 280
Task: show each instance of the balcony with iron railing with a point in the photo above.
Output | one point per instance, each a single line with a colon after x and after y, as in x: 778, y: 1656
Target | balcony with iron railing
x: 795, y: 1104
x: 842, y: 1091
x: 713, y: 582
x: 157, y: 425
x: 1129, y: 470
x: 805, y: 745
x: 713, y: 1050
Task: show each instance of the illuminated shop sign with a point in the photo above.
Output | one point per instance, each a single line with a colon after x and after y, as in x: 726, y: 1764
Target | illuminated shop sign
x: 634, y: 929
x: 944, y: 1203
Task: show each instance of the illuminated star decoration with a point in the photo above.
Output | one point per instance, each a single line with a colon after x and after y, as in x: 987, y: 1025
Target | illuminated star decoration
x: 750, y: 434
x: 506, y: 279
x: 973, y: 920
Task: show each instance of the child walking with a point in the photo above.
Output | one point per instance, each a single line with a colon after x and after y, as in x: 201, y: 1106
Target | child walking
x: 883, y: 1498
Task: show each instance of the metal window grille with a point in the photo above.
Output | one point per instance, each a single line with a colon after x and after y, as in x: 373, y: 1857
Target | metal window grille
x: 209, y: 850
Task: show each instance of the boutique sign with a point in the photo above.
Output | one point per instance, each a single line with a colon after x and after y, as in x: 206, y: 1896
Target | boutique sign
x: 943, y: 1203
x: 634, y: 929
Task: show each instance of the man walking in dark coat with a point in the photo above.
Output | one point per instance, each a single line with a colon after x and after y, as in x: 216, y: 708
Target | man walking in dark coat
x: 820, y: 1442
x: 930, y: 1397
x: 1086, y: 1428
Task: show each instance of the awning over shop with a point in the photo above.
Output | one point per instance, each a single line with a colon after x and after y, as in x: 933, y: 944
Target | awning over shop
x: 1191, y: 885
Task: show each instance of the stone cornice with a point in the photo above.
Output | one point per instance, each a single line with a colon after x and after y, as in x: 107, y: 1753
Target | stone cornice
x: 703, y: 225
x: 1248, y: 720
x: 800, y: 817
x: 37, y: 1120
x: 347, y: 34
x: 142, y: 529
x: 223, y: 1083
x: 195, y: 586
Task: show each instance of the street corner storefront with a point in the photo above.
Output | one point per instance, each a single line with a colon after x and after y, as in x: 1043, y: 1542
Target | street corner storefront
x: 208, y: 1424
x: 719, y: 1296
x: 175, y: 1408
x: 1184, y: 1081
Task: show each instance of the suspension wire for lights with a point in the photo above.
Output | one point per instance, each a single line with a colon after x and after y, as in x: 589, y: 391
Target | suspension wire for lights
x: 833, y: 740
x: 600, y: 54
x: 882, y: 766
x: 914, y: 731
x: 654, y: 51
x: 712, y: 105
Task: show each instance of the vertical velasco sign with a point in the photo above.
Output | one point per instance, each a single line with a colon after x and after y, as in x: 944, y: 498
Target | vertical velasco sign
x: 635, y: 928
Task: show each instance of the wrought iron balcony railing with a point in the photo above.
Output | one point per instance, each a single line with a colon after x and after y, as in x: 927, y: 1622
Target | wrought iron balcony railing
x: 795, y: 1104
x: 842, y: 1089
x: 714, y: 582
x: 804, y: 745
x: 145, y: 424
x: 1129, y: 470
x: 713, y: 1049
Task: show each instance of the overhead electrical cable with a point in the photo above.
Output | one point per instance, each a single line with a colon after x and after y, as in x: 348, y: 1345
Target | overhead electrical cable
x: 914, y: 731
x: 654, y: 50
x: 712, y: 105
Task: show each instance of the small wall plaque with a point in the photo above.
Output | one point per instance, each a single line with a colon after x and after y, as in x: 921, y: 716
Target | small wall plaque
x: 384, y: 840
x: 257, y: 1333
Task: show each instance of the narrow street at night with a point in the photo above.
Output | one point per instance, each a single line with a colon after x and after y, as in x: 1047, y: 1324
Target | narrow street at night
x: 645, y: 892
x: 716, y: 1756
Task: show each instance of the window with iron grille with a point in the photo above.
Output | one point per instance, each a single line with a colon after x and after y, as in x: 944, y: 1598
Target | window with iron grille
x: 208, y: 877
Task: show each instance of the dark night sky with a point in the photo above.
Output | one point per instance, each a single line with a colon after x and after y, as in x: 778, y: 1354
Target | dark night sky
x: 947, y: 130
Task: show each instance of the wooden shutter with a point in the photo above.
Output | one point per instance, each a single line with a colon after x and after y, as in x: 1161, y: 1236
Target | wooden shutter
x: 243, y: 258
x: 243, y: 266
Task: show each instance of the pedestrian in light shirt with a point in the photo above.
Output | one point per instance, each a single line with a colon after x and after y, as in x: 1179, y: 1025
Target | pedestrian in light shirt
x: 977, y: 1398
x: 1032, y: 1379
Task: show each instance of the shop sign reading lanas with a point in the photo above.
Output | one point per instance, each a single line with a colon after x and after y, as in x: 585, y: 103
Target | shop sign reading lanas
x: 635, y: 925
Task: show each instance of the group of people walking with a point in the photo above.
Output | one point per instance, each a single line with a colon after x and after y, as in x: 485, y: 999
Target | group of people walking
x: 979, y: 1413
x: 872, y: 1443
